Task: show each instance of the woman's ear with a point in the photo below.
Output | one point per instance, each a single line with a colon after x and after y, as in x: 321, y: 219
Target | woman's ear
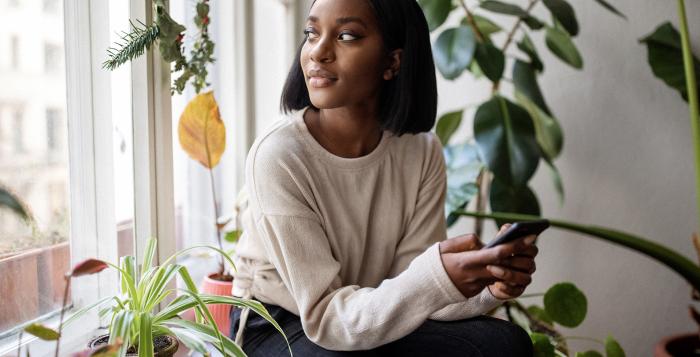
x: 394, y: 60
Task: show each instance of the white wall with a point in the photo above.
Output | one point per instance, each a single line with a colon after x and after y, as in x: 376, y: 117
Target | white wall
x: 627, y: 163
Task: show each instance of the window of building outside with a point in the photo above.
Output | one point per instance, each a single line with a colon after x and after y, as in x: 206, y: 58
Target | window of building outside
x: 33, y: 255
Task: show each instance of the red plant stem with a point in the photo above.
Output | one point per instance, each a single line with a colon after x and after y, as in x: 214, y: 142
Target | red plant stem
x: 63, y: 310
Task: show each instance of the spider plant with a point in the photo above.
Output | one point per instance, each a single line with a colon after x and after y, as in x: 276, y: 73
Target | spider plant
x: 135, y: 318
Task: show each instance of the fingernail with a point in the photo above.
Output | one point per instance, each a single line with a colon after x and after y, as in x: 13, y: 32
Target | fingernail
x: 495, y: 270
x: 529, y: 240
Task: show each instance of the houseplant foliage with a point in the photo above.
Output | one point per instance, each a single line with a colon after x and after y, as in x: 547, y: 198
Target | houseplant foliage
x: 671, y: 60
x: 513, y: 130
x: 12, y: 202
x: 135, y: 319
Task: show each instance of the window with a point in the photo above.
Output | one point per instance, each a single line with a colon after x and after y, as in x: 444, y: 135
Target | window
x: 18, y: 131
x: 50, y: 6
x: 52, y: 57
x: 54, y: 133
x: 14, y: 52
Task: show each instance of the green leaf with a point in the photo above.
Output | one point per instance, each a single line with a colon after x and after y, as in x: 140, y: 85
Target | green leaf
x: 190, y: 339
x: 12, y: 202
x: 503, y: 8
x: 528, y: 47
x: 560, y: 43
x: 485, y: 26
x: 120, y: 329
x: 233, y: 236
x: 607, y: 5
x: 613, y: 348
x: 475, y: 70
x: 508, y: 198
x: 547, y: 130
x: 436, y: 11
x: 564, y: 13
x: 665, y: 57
x: 463, y: 168
x: 453, y: 51
x: 525, y: 81
x: 447, y: 125
x: 556, y: 180
x: 506, y: 140
x: 539, y: 314
x: 541, y: 345
x: 148, y: 255
x: 514, y: 10
x: 145, y: 336
x: 491, y: 60
x: 590, y: 353
x: 566, y: 304
x: 42, y: 332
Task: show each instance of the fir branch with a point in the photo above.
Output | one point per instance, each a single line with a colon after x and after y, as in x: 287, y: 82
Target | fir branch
x: 133, y: 45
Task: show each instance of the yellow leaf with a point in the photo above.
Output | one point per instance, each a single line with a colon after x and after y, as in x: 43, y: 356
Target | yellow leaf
x: 201, y: 131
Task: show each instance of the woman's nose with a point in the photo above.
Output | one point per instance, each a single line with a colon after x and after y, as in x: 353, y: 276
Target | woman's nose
x: 322, y: 50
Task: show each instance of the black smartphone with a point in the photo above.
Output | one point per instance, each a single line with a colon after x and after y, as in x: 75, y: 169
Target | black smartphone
x: 519, y: 230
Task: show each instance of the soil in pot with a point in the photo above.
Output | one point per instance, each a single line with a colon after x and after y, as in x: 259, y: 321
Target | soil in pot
x: 163, y: 346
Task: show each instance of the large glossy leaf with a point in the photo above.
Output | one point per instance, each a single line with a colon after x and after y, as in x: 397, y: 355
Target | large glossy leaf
x: 453, y: 51
x: 9, y: 200
x: 201, y: 131
x: 447, y: 125
x: 491, y: 60
x: 506, y: 140
x: 506, y: 198
x: 501, y: 7
x: 611, y: 8
x: 485, y: 26
x: 436, y: 11
x: 541, y: 345
x: 613, y: 348
x: 560, y: 43
x: 525, y: 81
x: 463, y: 168
x: 566, y: 304
x: 666, y: 58
x: 685, y: 267
x: 547, y: 130
x: 564, y: 13
x: 528, y: 47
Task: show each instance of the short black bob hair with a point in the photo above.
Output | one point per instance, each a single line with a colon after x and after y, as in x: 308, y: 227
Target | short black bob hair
x: 408, y: 102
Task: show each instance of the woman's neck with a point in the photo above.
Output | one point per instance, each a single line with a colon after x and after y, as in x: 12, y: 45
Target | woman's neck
x: 345, y: 132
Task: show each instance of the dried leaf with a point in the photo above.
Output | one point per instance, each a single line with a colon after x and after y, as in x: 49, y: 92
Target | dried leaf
x: 87, y: 267
x: 201, y: 131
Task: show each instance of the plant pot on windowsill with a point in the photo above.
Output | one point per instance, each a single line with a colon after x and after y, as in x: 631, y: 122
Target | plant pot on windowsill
x: 163, y: 346
x: 678, y: 346
x: 216, y: 284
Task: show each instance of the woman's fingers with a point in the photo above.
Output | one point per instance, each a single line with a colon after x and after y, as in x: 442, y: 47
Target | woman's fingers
x: 461, y: 243
x: 521, y: 263
x: 509, y: 276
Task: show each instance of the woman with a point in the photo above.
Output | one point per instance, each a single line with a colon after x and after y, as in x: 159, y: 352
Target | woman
x: 345, y: 235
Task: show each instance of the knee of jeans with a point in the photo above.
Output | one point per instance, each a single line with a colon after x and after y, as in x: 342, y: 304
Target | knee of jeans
x: 518, y: 339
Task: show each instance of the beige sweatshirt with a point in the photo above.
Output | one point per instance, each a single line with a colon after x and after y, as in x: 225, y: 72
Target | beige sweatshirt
x: 349, y: 245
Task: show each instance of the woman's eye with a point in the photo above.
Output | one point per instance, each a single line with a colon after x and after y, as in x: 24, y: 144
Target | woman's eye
x: 345, y: 36
x: 310, y: 33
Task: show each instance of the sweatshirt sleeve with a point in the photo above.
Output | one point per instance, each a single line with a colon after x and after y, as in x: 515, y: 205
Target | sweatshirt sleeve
x: 333, y: 316
x: 428, y: 227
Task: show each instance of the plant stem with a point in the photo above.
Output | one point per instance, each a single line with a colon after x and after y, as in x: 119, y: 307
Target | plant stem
x: 692, y: 95
x: 511, y: 35
x: 216, y: 220
x: 470, y: 19
x: 19, y: 343
x: 525, y: 296
x: 583, y: 338
x: 539, y: 326
x: 63, y: 310
x: 478, y: 221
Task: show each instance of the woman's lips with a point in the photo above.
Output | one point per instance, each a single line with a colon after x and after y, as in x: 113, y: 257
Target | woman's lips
x: 321, y: 82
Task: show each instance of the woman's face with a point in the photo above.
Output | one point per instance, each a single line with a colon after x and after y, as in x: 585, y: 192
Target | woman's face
x: 343, y: 58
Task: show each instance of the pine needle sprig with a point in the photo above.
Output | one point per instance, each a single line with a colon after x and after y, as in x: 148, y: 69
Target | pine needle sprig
x: 134, y: 43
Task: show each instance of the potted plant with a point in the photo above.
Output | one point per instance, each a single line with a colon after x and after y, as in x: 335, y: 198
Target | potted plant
x: 136, y: 324
x: 201, y: 130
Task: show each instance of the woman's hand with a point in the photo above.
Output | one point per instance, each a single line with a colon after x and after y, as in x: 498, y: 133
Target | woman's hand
x: 505, y: 269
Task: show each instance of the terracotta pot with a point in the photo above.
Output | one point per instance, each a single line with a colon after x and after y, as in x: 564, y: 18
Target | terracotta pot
x: 220, y: 312
x: 686, y: 345
x: 164, y: 346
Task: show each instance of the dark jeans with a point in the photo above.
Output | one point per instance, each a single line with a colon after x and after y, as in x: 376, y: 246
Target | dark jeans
x: 481, y: 336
